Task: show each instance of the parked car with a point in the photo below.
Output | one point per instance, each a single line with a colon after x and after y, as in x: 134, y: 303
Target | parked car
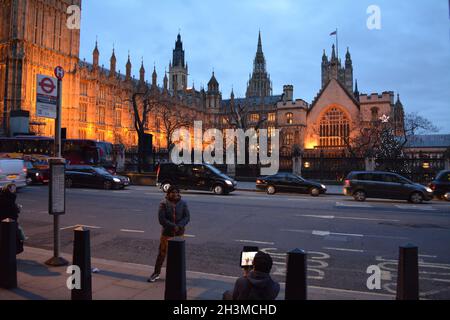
x: 194, y: 177
x: 385, y: 185
x: 13, y: 171
x: 37, y: 173
x: 95, y: 177
x: 287, y: 182
x: 441, y: 185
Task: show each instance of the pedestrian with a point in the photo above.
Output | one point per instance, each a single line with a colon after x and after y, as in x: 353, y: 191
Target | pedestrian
x: 10, y: 210
x: 256, y: 284
x: 173, y: 216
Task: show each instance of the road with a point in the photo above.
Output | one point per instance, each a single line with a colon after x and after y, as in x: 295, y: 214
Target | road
x: 343, y: 238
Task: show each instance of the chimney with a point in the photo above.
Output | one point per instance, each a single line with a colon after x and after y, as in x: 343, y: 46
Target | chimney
x: 288, y: 91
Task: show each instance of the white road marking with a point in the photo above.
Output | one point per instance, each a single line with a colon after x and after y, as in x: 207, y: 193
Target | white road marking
x: 343, y: 249
x: 328, y: 233
x: 414, y: 207
x: 122, y: 192
x: 427, y: 256
x: 132, y: 231
x: 255, y: 242
x: 80, y: 225
x: 348, y: 205
x: 344, y: 218
x: 190, y: 236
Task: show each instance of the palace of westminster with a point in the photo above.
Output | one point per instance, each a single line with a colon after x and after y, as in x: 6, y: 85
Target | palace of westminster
x: 96, y: 100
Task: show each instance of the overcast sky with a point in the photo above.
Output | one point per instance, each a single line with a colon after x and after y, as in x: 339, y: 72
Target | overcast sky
x: 410, y: 54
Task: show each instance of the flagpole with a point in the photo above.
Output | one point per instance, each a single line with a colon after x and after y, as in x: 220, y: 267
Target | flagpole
x: 337, y: 44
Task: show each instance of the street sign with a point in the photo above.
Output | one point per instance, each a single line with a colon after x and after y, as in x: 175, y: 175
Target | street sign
x: 59, y: 72
x: 46, y: 96
x: 57, y: 194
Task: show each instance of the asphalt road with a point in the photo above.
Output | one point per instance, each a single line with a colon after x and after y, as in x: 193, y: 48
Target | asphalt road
x: 343, y: 238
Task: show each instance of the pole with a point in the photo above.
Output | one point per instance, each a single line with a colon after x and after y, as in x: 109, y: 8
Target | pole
x: 8, y: 262
x: 176, y: 271
x: 337, y: 44
x: 408, y: 273
x: 5, y: 100
x: 296, y: 275
x: 82, y: 259
x: 57, y: 150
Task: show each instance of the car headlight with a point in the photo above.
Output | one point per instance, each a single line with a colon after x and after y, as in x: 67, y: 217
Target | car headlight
x: 323, y: 186
x: 117, y: 180
x: 228, y: 182
x: 429, y: 190
x: 447, y: 196
x: 37, y: 174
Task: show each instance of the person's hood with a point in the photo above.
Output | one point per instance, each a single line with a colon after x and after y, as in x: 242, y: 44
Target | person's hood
x: 262, y: 280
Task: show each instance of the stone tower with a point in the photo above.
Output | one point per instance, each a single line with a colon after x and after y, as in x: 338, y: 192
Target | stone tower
x: 178, y: 69
x: 34, y: 40
x: 213, y: 95
x: 332, y: 69
x: 259, y: 84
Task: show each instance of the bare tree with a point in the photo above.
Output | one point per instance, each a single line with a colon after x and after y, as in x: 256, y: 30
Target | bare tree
x: 416, y: 124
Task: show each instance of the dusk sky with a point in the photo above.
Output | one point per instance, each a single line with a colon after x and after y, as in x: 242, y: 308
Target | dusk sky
x: 409, y: 55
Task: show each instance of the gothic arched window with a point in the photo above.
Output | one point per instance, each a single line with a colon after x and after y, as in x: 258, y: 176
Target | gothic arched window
x: 334, y: 128
x: 289, y: 118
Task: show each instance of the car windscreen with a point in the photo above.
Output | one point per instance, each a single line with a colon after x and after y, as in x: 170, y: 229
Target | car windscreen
x: 102, y: 171
x: 214, y: 170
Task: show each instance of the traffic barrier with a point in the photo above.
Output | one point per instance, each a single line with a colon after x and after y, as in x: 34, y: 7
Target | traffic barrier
x: 176, y: 271
x: 408, y: 273
x: 296, y: 275
x: 82, y: 259
x: 8, y: 262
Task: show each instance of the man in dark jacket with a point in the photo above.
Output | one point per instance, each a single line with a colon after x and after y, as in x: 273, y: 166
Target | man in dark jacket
x: 257, y: 284
x: 173, y: 216
x: 8, y: 206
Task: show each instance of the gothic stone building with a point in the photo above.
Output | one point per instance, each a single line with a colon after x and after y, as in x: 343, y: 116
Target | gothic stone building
x: 96, y: 100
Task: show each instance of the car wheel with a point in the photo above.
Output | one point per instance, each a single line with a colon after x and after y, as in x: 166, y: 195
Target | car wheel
x: 416, y: 198
x: 314, y: 192
x: 107, y: 185
x: 359, y: 196
x: 218, y: 189
x: 69, y: 183
x: 165, y: 186
x: 271, y: 190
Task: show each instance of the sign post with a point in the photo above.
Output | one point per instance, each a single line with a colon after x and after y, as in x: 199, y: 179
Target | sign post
x: 46, y: 97
x: 57, y: 190
x: 57, y: 206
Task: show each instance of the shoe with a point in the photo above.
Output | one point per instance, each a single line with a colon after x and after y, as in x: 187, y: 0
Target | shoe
x: 153, y: 278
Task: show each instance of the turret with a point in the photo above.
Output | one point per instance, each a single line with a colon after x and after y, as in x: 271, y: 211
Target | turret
x: 113, y: 65
x: 128, y: 69
x: 95, y: 56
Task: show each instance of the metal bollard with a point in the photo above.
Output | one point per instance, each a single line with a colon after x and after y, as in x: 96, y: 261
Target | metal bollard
x: 408, y: 273
x: 82, y: 259
x: 8, y: 262
x: 296, y: 275
x: 176, y: 271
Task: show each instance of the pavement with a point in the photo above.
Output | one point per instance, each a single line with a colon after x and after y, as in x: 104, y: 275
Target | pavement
x: 125, y: 281
x: 337, y: 190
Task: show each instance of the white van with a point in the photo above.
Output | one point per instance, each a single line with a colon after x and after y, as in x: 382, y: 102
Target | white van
x: 13, y: 171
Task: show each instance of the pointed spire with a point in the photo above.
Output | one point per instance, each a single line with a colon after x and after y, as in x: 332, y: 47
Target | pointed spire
x: 154, y: 77
x: 95, y: 55
x: 113, y: 61
x: 347, y: 55
x: 356, y: 93
x: 333, y: 55
x: 259, y: 42
x: 128, y: 68
x: 165, y: 81
x: 324, y: 56
x: 398, y: 103
x: 142, y: 71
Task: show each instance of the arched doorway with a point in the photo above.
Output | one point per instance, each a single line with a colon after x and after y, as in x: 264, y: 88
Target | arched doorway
x: 334, y: 128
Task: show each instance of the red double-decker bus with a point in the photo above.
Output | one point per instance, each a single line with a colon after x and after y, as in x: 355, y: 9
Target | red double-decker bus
x: 76, y: 152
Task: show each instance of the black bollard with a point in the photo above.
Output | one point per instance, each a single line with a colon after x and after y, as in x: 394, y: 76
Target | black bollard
x: 408, y: 273
x: 82, y: 259
x: 176, y: 271
x: 8, y: 262
x: 296, y: 275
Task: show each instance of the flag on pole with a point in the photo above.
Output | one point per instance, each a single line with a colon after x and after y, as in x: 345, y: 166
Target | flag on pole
x: 333, y: 33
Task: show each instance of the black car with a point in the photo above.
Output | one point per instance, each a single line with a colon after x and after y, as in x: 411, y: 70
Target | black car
x: 441, y: 185
x: 194, y: 177
x: 385, y: 185
x: 95, y: 177
x: 37, y: 173
x: 287, y: 182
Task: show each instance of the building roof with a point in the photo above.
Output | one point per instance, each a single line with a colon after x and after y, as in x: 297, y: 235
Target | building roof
x: 253, y: 102
x: 319, y: 95
x: 429, y: 141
